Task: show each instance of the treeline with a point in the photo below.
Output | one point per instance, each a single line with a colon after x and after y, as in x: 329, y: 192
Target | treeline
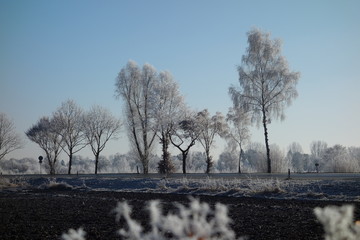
x: 322, y: 158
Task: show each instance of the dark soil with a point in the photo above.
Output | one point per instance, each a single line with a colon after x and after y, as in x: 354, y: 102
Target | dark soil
x: 46, y: 214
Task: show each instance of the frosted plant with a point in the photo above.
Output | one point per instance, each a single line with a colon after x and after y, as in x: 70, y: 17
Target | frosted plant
x: 265, y: 185
x: 196, y: 222
x: 74, y: 234
x: 338, y: 222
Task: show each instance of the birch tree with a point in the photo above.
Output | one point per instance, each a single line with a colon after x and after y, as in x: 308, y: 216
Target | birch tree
x: 211, y: 126
x: 9, y: 139
x: 99, y: 126
x: 135, y: 86
x: 267, y: 85
x: 44, y: 134
x: 68, y: 119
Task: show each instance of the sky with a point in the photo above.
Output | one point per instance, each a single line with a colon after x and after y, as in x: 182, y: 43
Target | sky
x: 51, y: 51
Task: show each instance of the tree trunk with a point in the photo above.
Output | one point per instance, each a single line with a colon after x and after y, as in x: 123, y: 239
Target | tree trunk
x: 240, y: 156
x: 209, y: 162
x: 51, y: 163
x: 70, y: 161
x: 96, y: 162
x: 184, y: 156
x: 267, y: 142
x: 145, y: 166
x: 165, y: 165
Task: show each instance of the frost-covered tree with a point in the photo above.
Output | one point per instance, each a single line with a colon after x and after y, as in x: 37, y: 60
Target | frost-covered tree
x: 211, y: 126
x: 45, y: 135
x: 338, y: 159
x: 184, y: 135
x: 99, y: 126
x: 68, y: 119
x: 239, y: 121
x: 317, y: 149
x: 196, y: 162
x: 255, y: 156
x: 227, y: 162
x: 9, y: 139
x: 267, y: 85
x: 167, y: 106
x: 280, y: 162
x: 298, y: 161
x: 135, y: 86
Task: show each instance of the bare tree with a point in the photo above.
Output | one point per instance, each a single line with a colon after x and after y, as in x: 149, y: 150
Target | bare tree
x: 266, y: 84
x: 68, y: 119
x: 184, y: 135
x: 9, y: 139
x: 239, y: 121
x: 99, y: 126
x: 43, y: 133
x: 135, y: 86
x: 167, y: 107
x: 317, y: 149
x: 210, y: 127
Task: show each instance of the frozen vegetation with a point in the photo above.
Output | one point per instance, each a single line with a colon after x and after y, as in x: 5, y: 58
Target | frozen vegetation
x: 197, y: 220
x: 342, y: 190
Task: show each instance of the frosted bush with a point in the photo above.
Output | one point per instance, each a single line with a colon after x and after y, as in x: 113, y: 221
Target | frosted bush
x: 5, y: 182
x: 12, y: 182
x: 196, y: 222
x: 54, y: 185
x: 265, y: 185
x: 338, y: 222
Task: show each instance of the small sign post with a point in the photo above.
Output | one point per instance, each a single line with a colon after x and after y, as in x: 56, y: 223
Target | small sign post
x: 40, y: 162
x: 317, y: 167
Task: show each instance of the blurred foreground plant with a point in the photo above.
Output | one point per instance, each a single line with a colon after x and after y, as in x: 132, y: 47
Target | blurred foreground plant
x: 338, y: 222
x: 195, y: 222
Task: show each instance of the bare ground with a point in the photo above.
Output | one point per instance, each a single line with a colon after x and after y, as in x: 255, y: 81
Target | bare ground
x: 46, y: 214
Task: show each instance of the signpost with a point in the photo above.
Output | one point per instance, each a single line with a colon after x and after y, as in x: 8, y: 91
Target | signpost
x: 40, y: 162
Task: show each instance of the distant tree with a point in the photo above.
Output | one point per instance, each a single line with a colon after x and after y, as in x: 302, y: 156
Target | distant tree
x: 228, y: 162
x: 68, y: 120
x: 99, y: 126
x: 211, y: 127
x: 167, y: 107
x: 298, y: 161
x: 239, y: 121
x: 255, y: 156
x: 44, y: 134
x: 295, y: 147
x: 266, y: 84
x: 9, y: 139
x: 280, y: 162
x: 135, y: 86
x: 317, y: 149
x: 336, y: 159
x: 196, y: 162
x: 184, y: 135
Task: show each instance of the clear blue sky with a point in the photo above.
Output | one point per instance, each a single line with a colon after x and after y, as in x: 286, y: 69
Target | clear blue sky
x: 51, y: 51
